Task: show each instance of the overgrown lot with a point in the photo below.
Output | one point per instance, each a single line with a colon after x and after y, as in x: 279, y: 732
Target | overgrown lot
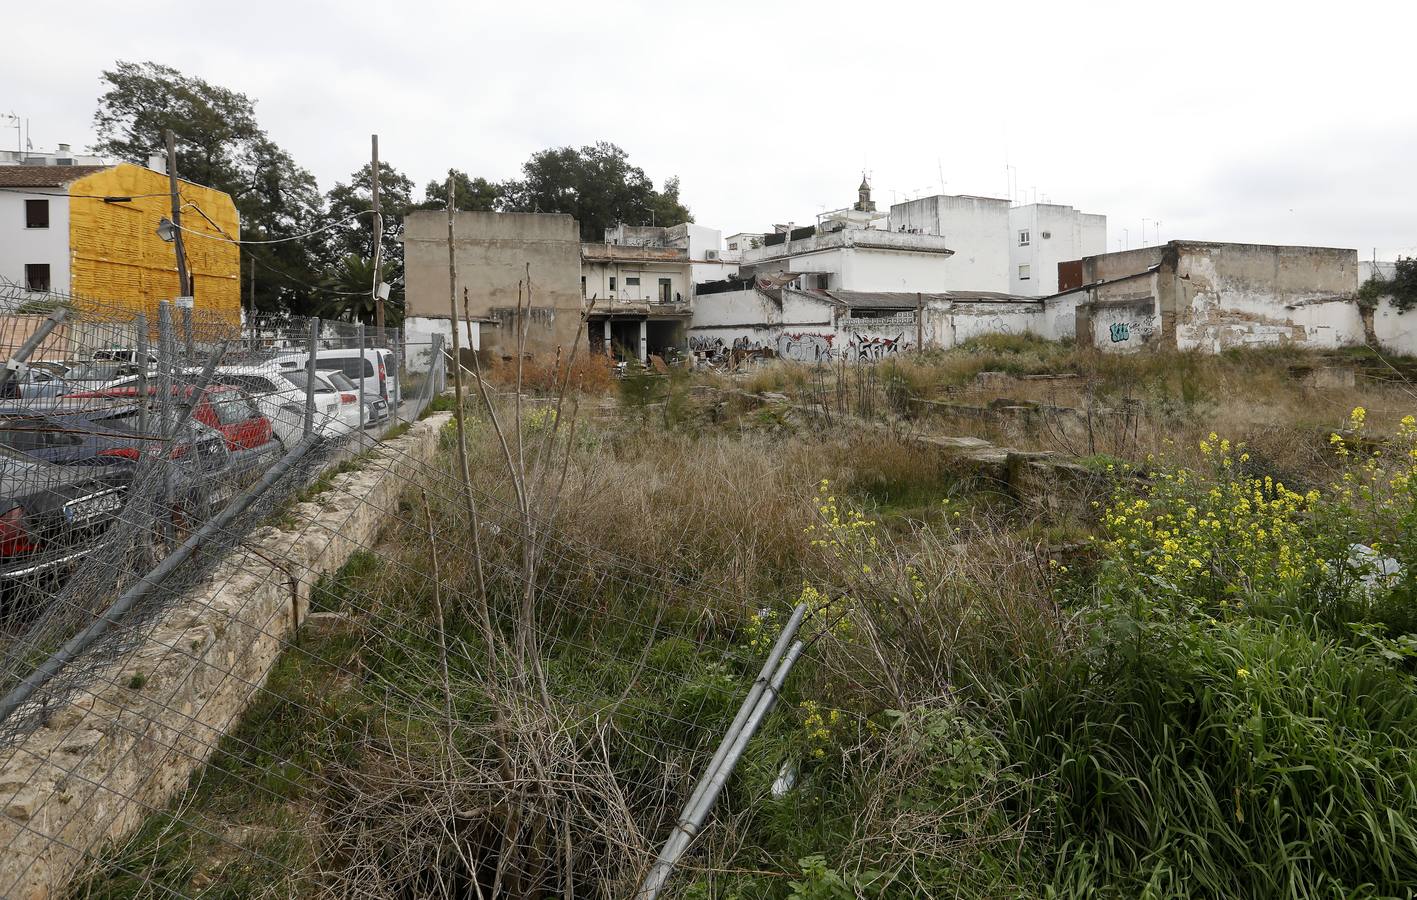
x: 1202, y: 685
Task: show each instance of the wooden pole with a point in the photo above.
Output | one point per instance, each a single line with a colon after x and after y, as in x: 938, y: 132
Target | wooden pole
x: 919, y: 323
x: 183, y: 286
x: 378, y: 236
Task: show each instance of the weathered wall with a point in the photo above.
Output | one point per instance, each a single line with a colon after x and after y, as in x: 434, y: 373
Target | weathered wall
x: 1396, y: 331
x: 1231, y: 295
x: 1121, y: 326
x: 117, y: 258
x: 493, y: 251
x: 113, y: 753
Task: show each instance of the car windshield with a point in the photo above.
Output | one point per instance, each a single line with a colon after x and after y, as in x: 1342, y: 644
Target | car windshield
x: 339, y: 381
x: 94, y: 372
x: 298, y: 378
x: 231, y: 407
x: 28, y: 434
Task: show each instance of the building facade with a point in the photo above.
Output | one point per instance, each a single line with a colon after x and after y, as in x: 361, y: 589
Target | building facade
x: 92, y: 232
x: 999, y: 247
x: 495, y: 254
x: 1210, y: 297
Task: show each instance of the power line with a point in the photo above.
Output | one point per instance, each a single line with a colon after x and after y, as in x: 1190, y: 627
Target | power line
x: 295, y: 237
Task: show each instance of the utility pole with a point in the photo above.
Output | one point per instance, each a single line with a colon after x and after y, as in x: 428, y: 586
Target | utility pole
x: 183, y: 286
x: 919, y: 323
x: 378, y: 236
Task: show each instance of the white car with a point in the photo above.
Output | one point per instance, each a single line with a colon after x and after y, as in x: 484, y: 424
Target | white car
x: 281, y: 398
x: 379, y: 369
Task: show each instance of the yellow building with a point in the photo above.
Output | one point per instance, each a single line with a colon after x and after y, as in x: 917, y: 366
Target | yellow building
x: 92, y: 233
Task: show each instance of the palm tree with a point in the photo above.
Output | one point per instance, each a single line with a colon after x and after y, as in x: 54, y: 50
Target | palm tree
x: 347, y: 292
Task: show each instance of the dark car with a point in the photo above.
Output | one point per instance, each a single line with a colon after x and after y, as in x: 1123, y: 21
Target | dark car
x: 250, y: 440
x: 68, y: 472
x: 50, y: 515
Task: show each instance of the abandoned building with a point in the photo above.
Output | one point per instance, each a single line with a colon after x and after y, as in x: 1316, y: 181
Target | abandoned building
x: 1200, y: 295
x: 494, y: 253
x: 862, y: 284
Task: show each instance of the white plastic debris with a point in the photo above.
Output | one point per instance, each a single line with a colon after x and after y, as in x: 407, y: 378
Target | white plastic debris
x: 786, y: 780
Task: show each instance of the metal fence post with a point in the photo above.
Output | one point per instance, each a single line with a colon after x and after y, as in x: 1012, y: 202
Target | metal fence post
x: 398, y: 346
x: 310, y: 377
x: 187, y: 334
x: 360, y: 334
x: 142, y: 347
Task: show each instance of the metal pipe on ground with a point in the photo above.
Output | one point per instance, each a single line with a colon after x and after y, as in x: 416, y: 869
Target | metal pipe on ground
x: 762, y: 696
x: 84, y: 639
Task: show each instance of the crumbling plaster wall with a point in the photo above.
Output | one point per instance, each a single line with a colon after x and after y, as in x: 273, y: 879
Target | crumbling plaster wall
x: 123, y: 746
x: 1232, y: 295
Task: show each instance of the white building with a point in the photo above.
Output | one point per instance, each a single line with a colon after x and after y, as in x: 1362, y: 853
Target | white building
x: 1003, y: 248
x: 64, y: 156
x: 736, y: 244
x: 847, y: 252
x: 34, y: 225
x: 1045, y: 234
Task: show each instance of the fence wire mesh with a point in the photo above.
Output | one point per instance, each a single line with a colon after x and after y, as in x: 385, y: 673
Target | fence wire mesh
x: 513, y: 710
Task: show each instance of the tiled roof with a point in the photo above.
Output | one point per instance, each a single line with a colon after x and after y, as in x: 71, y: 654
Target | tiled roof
x: 44, y: 176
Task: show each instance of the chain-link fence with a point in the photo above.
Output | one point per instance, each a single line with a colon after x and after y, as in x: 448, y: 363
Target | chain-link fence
x: 491, y: 705
x: 135, y: 449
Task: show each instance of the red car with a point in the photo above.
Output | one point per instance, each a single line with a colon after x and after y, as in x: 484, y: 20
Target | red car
x: 229, y: 410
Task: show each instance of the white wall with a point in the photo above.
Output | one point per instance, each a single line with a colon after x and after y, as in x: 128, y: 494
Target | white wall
x: 975, y: 228
x: 869, y: 269
x: 1396, y: 331
x: 418, y: 335
x: 20, y: 245
x: 597, y: 277
x: 1070, y: 235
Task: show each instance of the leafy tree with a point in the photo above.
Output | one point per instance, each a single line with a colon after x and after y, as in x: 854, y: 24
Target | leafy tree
x: 471, y: 194
x: 220, y: 144
x: 351, y: 206
x: 596, y: 184
x: 1401, y: 287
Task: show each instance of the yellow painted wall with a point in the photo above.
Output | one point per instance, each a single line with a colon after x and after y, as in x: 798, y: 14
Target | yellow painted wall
x: 118, y: 264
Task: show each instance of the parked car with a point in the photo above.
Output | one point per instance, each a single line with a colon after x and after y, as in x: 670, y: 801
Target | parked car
x: 339, y: 402
x: 250, y: 438
x: 378, y: 365
x: 281, y: 399
x: 52, y: 516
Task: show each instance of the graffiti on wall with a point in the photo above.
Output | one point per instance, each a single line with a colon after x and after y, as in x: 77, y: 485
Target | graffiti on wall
x: 805, y: 347
x: 711, y: 346
x: 1121, y: 331
x: 863, y: 348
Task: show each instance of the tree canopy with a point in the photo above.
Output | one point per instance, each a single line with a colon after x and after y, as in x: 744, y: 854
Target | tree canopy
x: 220, y: 144
x: 596, y: 184
x: 323, y: 243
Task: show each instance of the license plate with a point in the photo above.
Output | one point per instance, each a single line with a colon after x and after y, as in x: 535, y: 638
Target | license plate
x: 91, y: 507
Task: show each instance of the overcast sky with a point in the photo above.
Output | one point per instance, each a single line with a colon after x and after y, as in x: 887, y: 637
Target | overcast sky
x: 1243, y: 121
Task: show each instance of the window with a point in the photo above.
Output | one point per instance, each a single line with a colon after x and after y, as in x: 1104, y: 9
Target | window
x: 1023, y: 238
x: 632, y: 281
x: 37, y: 276
x: 232, y: 408
x: 612, y: 282
x: 36, y: 213
x: 665, y: 287
x: 732, y: 245
x: 582, y: 285
x: 1023, y: 273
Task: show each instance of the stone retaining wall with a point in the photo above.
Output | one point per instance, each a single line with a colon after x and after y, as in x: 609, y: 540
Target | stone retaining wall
x: 123, y: 747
